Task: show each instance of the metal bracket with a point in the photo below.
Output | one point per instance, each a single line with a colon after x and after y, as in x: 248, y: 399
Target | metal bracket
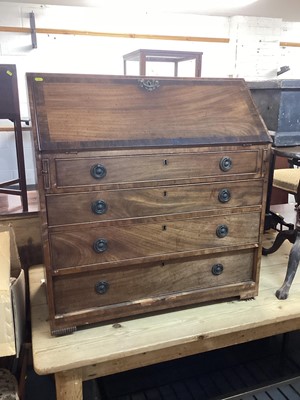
x: 33, y: 31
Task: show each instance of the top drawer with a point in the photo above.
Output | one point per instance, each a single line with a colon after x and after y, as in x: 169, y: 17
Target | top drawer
x: 151, y: 169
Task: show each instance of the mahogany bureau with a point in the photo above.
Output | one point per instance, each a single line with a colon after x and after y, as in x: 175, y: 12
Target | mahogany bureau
x: 152, y: 193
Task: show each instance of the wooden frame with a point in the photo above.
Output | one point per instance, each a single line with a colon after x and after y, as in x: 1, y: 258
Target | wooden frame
x: 146, y: 55
x: 10, y: 110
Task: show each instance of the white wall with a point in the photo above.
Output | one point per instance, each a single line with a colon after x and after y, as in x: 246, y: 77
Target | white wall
x: 253, y: 51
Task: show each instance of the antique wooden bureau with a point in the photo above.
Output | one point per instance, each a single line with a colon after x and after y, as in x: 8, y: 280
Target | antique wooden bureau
x: 152, y: 193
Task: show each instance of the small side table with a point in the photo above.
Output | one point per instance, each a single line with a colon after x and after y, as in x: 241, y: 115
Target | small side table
x: 144, y: 55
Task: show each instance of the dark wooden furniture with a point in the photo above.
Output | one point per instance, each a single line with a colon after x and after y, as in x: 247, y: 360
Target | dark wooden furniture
x: 279, y: 196
x: 10, y: 110
x: 293, y: 233
x: 152, y: 193
x: 277, y: 101
x: 171, y: 56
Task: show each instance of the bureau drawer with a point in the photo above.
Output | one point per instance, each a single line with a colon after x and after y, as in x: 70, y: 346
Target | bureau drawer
x: 133, y: 203
x: 72, y: 172
x: 115, y: 243
x: 151, y: 281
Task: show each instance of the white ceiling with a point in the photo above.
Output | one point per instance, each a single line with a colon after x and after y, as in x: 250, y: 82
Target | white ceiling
x: 288, y: 10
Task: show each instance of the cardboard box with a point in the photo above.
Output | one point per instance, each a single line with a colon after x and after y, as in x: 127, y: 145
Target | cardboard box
x: 12, y: 295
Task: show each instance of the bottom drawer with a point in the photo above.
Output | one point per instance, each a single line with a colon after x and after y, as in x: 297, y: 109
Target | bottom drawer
x: 121, y: 288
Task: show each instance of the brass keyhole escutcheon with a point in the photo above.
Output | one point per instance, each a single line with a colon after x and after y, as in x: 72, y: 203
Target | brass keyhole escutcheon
x: 149, y: 84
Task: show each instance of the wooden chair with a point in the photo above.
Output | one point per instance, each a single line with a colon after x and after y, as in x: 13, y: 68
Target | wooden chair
x: 287, y: 179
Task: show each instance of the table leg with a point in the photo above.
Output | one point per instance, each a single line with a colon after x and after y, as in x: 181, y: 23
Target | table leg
x: 68, y: 385
x: 294, y: 259
x: 283, y: 235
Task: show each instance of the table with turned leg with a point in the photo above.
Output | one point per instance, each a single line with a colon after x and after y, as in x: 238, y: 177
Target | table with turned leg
x: 293, y: 233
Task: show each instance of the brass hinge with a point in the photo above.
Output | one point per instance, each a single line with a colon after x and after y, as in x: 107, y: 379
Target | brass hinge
x: 45, y: 173
x: 266, y: 161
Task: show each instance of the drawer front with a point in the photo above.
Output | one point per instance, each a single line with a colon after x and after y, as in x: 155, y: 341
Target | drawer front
x: 133, y: 203
x: 72, y: 172
x: 149, y: 281
x: 86, y: 245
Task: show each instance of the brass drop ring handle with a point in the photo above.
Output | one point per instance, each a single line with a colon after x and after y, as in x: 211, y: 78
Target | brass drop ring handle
x: 225, y: 163
x: 100, y: 245
x: 98, y: 171
x: 222, y: 230
x: 217, y: 269
x: 101, y: 287
x: 224, y: 195
x: 99, y: 207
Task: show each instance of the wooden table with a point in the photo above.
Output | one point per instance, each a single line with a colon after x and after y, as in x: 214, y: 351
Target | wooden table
x: 98, y: 351
x: 169, y: 56
x: 292, y: 152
